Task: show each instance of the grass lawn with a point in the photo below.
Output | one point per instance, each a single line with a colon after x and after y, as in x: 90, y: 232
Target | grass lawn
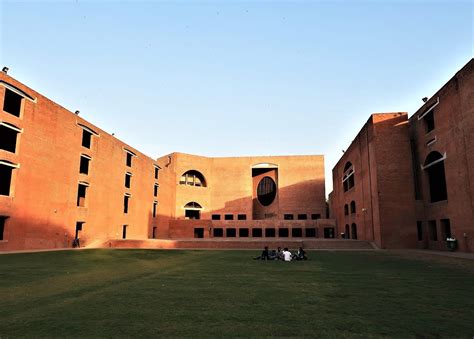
x: 132, y: 293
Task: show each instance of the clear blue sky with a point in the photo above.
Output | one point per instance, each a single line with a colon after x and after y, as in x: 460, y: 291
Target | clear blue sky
x: 234, y: 79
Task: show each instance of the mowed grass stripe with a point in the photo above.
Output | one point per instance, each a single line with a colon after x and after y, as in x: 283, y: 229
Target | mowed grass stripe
x: 110, y: 293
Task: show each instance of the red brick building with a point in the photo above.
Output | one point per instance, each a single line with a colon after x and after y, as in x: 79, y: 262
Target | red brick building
x: 242, y: 197
x: 410, y: 182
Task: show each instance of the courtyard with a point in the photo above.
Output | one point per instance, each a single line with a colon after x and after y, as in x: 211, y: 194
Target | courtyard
x: 149, y: 293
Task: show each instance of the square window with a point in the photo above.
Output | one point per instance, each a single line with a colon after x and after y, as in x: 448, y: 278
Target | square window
x: 256, y: 232
x: 230, y: 233
x: 310, y: 232
x: 243, y: 232
x: 269, y: 232
x: 218, y: 232
x: 296, y: 232
x: 12, y: 103
x: 283, y: 233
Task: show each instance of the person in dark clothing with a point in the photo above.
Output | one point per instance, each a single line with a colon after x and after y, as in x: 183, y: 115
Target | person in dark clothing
x: 264, y: 255
x: 301, y: 254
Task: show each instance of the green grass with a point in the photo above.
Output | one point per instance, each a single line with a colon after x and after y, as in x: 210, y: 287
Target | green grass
x: 130, y: 293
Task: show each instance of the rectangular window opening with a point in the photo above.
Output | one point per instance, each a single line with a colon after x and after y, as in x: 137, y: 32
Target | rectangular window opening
x: 288, y: 216
x: 302, y: 216
x: 8, y: 137
x: 229, y: 217
x: 6, y: 173
x: 81, y: 195
x: 124, y: 231
x: 218, y: 232
x: 429, y: 121
x: 230, y: 233
x: 155, y: 190
x: 315, y: 216
x: 128, y: 180
x: 311, y: 233
x: 256, y: 232
x: 156, y: 172
x: 86, y: 139
x: 419, y: 230
x: 12, y: 103
x: 243, y: 232
x: 432, y: 230
x: 154, y: 233
x: 283, y: 233
x: 3, y: 220
x: 199, y: 232
x: 126, y: 201
x: 242, y: 217
x: 128, y: 160
x: 446, y: 228
x: 84, y: 165
x: 216, y: 217
x: 269, y: 232
x: 155, y: 204
x: 297, y: 232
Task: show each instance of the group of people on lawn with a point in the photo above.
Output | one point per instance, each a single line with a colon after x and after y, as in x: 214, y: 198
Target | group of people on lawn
x: 279, y: 254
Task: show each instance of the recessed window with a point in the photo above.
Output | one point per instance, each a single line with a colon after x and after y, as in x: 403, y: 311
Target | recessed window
x: 124, y: 231
x: 429, y: 121
x: 228, y: 217
x: 192, y: 210
x: 419, y: 230
x: 155, y: 190
x: 3, y: 220
x: 84, y: 164
x: 126, y: 203
x: 446, y: 228
x: 270, y: 232
x: 256, y: 232
x: 12, y: 103
x: 86, y: 139
x: 81, y: 194
x: 315, y: 216
x: 432, y: 230
x: 288, y: 216
x: 128, y: 179
x: 434, y: 168
x: 218, y: 232
x: 216, y: 217
x: 354, y: 231
x: 266, y: 191
x: 154, y: 233
x: 155, y: 205
x: 346, y: 209
x: 156, y: 172
x: 310, y: 232
x: 8, y: 137
x: 296, y: 232
x: 302, y: 216
x: 348, y: 180
x: 193, y: 178
x: 6, y: 174
x: 283, y: 233
x: 241, y: 216
x: 128, y: 160
x: 243, y: 232
x: 353, y: 207
x: 199, y: 232
x: 230, y: 233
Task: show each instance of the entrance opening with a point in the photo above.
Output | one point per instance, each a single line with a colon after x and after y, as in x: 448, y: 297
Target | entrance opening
x: 329, y: 232
x: 3, y: 220
x: 256, y: 232
x: 354, y: 231
x: 124, y: 231
x: 419, y: 230
x: 199, y: 232
x: 346, y: 232
x: 432, y: 230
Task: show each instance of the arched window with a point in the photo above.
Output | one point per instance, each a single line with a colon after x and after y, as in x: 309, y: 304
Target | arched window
x: 353, y: 206
x: 346, y: 209
x: 434, y: 167
x: 193, y: 178
x: 192, y: 210
x: 347, y: 235
x: 348, y: 177
x: 354, y: 231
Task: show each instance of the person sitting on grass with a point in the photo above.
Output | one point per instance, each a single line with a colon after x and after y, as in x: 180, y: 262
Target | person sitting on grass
x: 279, y: 254
x: 286, y: 254
x: 273, y: 255
x: 264, y: 255
x: 301, y: 255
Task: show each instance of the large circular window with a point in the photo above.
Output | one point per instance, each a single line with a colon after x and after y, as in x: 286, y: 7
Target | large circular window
x: 266, y: 191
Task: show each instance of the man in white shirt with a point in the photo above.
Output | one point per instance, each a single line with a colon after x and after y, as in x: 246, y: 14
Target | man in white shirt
x: 286, y: 254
